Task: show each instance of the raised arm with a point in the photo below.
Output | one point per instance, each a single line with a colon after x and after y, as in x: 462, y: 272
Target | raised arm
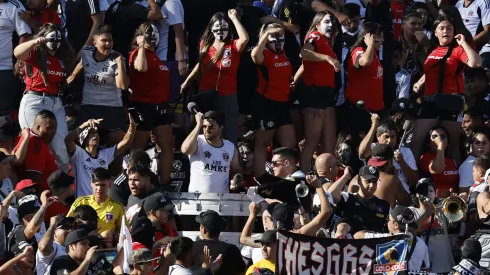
x: 70, y: 139
x: 312, y: 227
x: 125, y: 143
x: 189, y: 146
x: 245, y: 237
x: 242, y: 33
x: 22, y: 50
x: 367, y: 57
x: 45, y: 245
x: 365, y: 146
x: 35, y: 223
x: 140, y: 62
x: 258, y: 51
x: 21, y: 152
x: 122, y: 78
x: 336, y: 188
x: 474, y: 59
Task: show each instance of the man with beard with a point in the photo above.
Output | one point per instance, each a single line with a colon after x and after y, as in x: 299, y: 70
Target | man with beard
x: 211, y: 156
x: 415, y: 45
x: 363, y: 209
x: 62, y: 195
x: 139, y: 181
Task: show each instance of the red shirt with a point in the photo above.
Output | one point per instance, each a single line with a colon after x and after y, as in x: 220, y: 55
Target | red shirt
x: 321, y: 74
x: 145, y: 86
x: 55, y: 208
x: 453, y: 83
x: 398, y: 9
x: 46, y: 15
x: 34, y: 81
x: 168, y: 231
x: 444, y: 181
x: 38, y: 159
x: 365, y: 83
x: 275, y: 76
x: 221, y: 76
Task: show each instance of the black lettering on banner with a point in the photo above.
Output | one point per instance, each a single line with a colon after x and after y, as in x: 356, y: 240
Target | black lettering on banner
x: 300, y: 254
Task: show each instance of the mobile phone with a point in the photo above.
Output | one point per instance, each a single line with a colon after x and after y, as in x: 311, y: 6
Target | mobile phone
x: 135, y: 115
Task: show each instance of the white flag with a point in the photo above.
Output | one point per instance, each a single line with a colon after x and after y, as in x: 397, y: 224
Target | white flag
x: 126, y: 243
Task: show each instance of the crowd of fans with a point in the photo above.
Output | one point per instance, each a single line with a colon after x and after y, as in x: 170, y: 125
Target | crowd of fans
x: 380, y: 106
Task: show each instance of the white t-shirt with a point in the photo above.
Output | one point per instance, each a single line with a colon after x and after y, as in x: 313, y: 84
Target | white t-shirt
x: 43, y: 263
x: 210, y: 167
x: 466, y: 172
x: 100, y: 80
x: 174, y: 14
x: 251, y: 252
x: 420, y: 254
x: 178, y: 270
x: 478, y: 12
x: 403, y: 79
x: 409, y: 160
x: 83, y: 164
x: 9, y: 22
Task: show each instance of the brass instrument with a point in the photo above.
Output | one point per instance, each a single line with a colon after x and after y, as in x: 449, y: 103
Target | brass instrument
x: 301, y: 190
x: 454, y: 208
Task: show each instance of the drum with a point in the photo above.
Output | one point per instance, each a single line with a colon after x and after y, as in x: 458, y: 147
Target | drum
x: 231, y: 207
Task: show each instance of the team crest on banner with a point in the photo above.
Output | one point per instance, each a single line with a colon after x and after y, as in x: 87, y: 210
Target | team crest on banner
x: 390, y: 258
x: 109, y: 216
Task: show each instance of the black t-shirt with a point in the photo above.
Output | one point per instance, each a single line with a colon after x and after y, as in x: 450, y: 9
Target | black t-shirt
x: 181, y: 173
x: 364, y: 214
x: 63, y: 265
x: 77, y: 14
x: 17, y: 235
x: 288, y: 11
x: 232, y: 258
x: 119, y: 190
x: 483, y: 104
x: 125, y: 18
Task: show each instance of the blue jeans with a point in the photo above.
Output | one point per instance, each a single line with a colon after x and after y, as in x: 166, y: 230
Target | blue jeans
x: 30, y: 106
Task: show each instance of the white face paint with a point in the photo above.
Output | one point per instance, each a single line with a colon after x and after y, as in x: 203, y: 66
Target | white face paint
x: 276, y: 42
x: 326, y: 26
x: 53, y: 40
x: 153, y: 36
x: 220, y: 29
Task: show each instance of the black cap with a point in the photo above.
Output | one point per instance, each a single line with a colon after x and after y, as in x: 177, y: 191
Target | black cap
x: 422, y: 186
x: 269, y: 236
x: 19, y: 247
x: 9, y: 128
x: 5, y: 158
x: 404, y: 215
x: 28, y: 205
x: 67, y: 223
x: 157, y: 201
x: 211, y: 220
x: 59, y: 181
x: 399, y: 106
x: 471, y: 249
x: 351, y: 10
x: 369, y: 172
x: 141, y: 224
x: 283, y: 213
x: 380, y: 155
x: 78, y: 235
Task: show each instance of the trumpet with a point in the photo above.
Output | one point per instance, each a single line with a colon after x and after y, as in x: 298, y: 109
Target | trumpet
x: 454, y: 208
x: 301, y: 190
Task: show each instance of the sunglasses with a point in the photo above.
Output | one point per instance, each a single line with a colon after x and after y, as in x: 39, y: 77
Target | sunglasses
x: 277, y: 163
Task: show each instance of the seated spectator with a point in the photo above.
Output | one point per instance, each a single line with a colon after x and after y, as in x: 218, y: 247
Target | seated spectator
x: 89, y: 156
x: 51, y: 244
x: 435, y: 163
x: 40, y: 162
x: 269, y: 247
x: 211, y: 225
x: 109, y: 212
x: 61, y: 186
x: 211, y: 156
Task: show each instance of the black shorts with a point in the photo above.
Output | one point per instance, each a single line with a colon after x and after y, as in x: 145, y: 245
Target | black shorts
x: 269, y: 114
x: 429, y: 110
x: 152, y: 115
x: 295, y: 98
x: 318, y: 97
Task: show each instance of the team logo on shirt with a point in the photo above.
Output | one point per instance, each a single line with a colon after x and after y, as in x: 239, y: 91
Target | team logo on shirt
x: 163, y: 68
x: 105, y: 69
x: 177, y: 165
x: 226, y: 61
x: 390, y: 257
x: 109, y: 216
x: 380, y: 71
x: 102, y: 162
x: 226, y: 157
x: 207, y: 154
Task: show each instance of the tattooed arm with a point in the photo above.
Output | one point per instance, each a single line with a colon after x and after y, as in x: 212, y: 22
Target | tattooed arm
x: 45, y: 245
x: 38, y: 218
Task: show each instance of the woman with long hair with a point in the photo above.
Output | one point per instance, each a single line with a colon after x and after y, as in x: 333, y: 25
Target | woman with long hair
x: 105, y: 77
x: 443, y: 99
x: 319, y: 96
x: 150, y: 83
x: 435, y: 163
x: 219, y: 56
x: 364, y: 78
x: 47, y: 60
x: 271, y: 102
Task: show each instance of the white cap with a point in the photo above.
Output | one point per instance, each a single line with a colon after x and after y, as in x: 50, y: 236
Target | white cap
x: 486, y: 176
